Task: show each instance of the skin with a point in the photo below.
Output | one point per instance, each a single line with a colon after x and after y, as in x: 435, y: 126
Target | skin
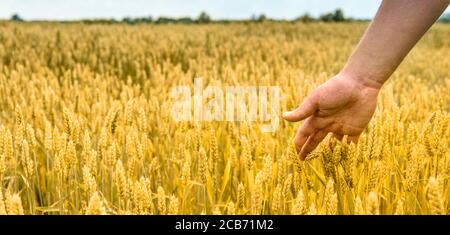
x: 345, y: 104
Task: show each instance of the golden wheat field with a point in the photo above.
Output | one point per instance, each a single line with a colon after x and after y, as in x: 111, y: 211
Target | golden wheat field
x: 85, y: 125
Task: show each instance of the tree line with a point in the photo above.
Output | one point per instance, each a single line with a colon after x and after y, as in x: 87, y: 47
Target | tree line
x: 203, y: 18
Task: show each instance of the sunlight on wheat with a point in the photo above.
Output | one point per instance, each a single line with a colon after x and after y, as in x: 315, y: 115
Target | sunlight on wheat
x: 85, y: 125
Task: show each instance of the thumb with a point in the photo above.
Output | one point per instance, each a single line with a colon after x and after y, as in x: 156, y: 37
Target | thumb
x: 303, y: 111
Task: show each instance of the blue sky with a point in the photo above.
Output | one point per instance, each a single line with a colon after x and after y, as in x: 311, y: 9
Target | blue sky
x: 218, y: 9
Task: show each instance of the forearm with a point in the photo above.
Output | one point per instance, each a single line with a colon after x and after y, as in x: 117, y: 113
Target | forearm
x: 396, y: 28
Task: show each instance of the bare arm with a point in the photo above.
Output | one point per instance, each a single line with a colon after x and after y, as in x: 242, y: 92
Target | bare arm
x: 345, y: 104
x: 394, y: 31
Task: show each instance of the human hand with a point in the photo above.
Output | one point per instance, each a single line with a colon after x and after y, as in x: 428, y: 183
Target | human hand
x: 343, y: 106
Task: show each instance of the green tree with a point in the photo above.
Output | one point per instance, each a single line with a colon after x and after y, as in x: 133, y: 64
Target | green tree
x: 338, y: 15
x: 328, y: 17
x: 203, y: 18
x: 261, y: 18
x: 445, y: 18
x: 305, y: 18
x: 16, y: 17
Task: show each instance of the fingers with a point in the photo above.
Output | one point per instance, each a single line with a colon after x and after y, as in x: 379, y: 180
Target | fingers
x: 308, y: 128
x: 338, y: 136
x: 309, y: 143
x: 303, y: 111
x: 305, y: 130
x: 320, y: 122
x: 353, y: 138
x: 348, y: 139
x: 312, y: 143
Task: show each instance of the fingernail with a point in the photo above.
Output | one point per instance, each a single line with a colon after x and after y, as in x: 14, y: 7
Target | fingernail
x: 285, y: 114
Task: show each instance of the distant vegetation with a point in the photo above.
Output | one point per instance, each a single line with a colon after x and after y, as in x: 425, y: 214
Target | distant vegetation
x: 204, y: 18
x: 16, y: 17
x: 445, y: 18
x: 87, y: 122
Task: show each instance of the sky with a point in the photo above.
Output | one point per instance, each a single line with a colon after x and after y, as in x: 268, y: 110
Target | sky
x: 217, y: 9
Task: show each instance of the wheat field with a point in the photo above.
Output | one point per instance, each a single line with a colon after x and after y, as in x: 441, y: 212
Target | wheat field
x: 85, y: 124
